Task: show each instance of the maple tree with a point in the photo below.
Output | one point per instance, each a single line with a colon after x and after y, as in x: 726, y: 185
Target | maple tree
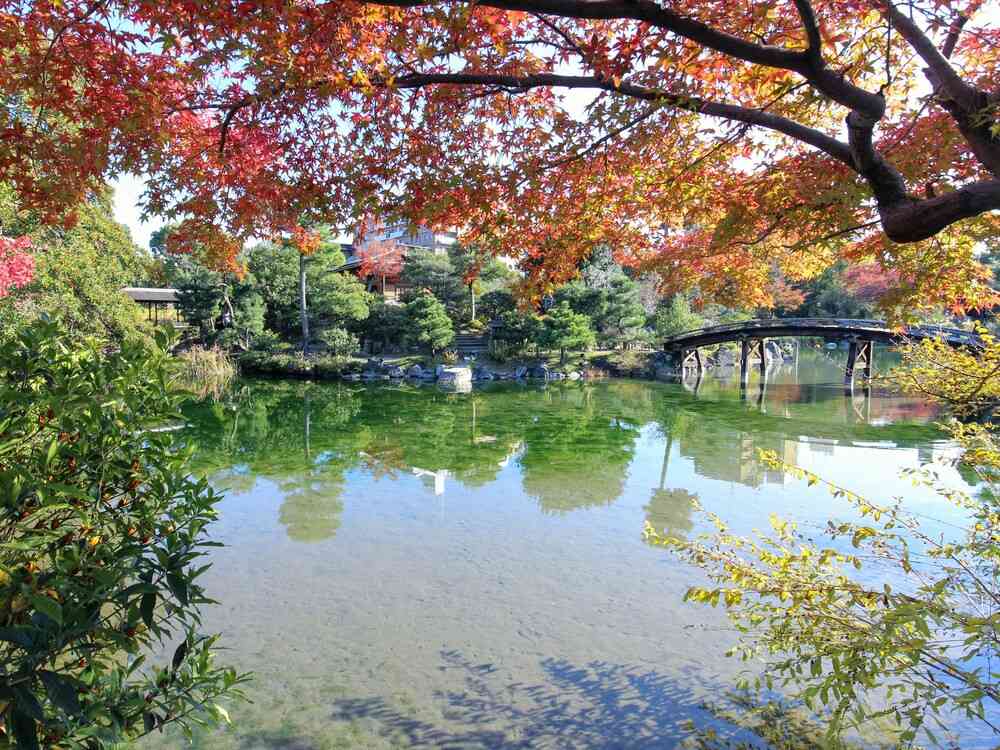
x: 380, y: 261
x: 709, y: 141
x: 17, y: 266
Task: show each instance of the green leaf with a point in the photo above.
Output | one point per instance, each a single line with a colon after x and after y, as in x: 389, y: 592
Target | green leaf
x: 178, y: 586
x: 146, y: 607
x: 179, y: 655
x: 48, y: 607
x: 61, y: 691
x: 53, y: 449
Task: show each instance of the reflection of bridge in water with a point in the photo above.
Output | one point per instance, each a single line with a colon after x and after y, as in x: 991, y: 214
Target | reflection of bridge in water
x: 753, y: 335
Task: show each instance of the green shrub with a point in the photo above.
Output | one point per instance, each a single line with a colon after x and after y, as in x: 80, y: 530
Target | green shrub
x: 332, y: 367
x: 102, y: 539
x: 429, y: 323
x: 276, y: 363
x: 266, y: 341
x: 476, y: 325
x: 340, y: 342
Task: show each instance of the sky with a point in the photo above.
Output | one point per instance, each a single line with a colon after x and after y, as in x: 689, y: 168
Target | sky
x: 128, y: 188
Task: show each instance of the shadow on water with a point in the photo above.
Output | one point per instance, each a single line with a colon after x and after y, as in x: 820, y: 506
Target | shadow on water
x: 594, y: 705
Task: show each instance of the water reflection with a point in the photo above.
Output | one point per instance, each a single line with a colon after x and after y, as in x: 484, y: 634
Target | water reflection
x: 572, y: 445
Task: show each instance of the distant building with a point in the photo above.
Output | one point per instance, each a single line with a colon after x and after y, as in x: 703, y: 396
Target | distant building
x: 160, y: 304
x: 410, y: 238
x: 415, y: 238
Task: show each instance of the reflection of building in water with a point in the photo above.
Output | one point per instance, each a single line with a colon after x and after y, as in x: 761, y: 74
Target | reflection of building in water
x: 789, y: 454
x: 735, y: 456
x: 929, y: 454
x: 437, y: 479
x: 819, y: 445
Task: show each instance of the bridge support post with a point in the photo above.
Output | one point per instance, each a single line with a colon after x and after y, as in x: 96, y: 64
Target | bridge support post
x: 692, y: 358
x: 748, y: 349
x: 859, y: 355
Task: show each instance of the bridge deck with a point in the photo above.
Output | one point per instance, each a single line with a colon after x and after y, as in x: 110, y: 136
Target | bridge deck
x: 867, y: 330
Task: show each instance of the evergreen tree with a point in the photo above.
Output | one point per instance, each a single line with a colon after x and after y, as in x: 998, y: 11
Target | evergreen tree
x: 386, y: 324
x: 565, y: 329
x: 249, y: 322
x: 624, y: 315
x: 200, y: 293
x: 674, y: 316
x: 429, y: 323
x: 424, y: 269
x: 333, y: 298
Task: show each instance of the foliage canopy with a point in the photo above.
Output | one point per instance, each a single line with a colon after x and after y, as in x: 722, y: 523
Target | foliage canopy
x: 709, y: 141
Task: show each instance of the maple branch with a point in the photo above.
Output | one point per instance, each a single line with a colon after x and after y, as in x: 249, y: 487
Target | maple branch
x: 809, y: 64
x: 576, y: 155
x: 965, y: 103
x: 939, y: 71
x: 736, y: 113
x: 954, y: 32
x: 808, y: 16
x: 914, y: 220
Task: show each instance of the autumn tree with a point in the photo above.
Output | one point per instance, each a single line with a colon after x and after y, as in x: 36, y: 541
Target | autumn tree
x: 77, y: 272
x: 380, y: 261
x: 706, y: 141
x: 17, y: 266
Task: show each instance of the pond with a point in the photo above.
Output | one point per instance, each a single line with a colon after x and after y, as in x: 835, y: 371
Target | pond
x: 406, y: 567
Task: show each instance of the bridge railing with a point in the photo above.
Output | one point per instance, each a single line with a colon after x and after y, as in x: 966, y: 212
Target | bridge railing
x: 843, y: 325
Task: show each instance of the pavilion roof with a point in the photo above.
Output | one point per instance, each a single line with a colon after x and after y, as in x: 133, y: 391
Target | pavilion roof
x: 150, y: 294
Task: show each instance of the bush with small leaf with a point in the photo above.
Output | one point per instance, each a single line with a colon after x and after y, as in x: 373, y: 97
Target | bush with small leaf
x: 340, y: 342
x: 103, y: 534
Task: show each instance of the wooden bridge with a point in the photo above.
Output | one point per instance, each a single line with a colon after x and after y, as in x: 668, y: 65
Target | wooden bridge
x: 752, y: 335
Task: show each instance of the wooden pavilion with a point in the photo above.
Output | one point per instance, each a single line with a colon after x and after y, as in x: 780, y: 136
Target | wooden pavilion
x: 160, y: 304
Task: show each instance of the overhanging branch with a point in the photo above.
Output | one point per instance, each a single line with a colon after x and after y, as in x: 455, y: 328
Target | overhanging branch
x: 756, y: 117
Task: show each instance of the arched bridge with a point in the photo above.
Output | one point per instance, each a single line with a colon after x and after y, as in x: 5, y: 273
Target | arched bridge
x: 753, y: 334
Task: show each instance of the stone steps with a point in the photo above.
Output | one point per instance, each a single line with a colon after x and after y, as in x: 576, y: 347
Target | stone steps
x: 469, y: 343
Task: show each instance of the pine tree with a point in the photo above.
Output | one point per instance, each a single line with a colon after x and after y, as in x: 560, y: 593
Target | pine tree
x: 429, y: 323
x: 565, y: 329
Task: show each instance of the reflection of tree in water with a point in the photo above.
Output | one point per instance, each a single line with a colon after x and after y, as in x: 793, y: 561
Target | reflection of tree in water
x: 293, y: 434
x: 669, y: 512
x: 311, y: 513
x: 577, y: 456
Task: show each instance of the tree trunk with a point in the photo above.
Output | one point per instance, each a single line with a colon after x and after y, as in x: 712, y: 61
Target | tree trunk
x: 472, y: 290
x: 303, y: 312
x: 562, y: 356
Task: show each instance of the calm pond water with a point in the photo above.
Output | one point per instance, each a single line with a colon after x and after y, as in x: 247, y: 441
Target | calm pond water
x: 406, y: 567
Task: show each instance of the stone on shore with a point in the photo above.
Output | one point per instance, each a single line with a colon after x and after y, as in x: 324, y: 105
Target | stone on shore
x: 459, y: 378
